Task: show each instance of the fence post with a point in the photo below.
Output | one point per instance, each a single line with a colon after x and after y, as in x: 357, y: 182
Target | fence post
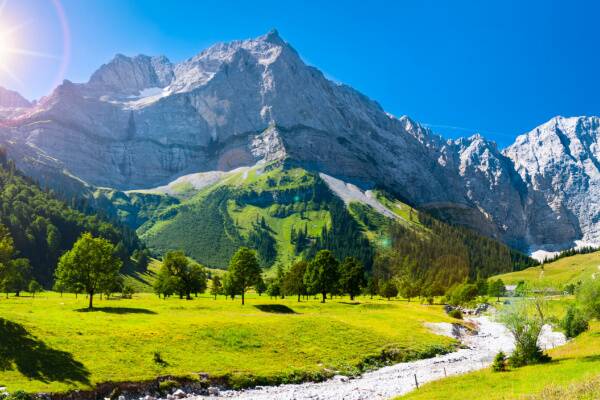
x: 416, y: 382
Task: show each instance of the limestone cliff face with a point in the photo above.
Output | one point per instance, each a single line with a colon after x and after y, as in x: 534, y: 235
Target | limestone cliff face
x: 143, y: 121
x: 560, y: 163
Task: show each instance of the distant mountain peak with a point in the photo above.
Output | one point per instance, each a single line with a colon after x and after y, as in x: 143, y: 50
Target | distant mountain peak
x: 12, y: 99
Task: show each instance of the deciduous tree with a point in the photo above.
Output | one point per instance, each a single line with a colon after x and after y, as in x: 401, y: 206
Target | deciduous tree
x: 352, y: 276
x: 322, y: 274
x: 91, y: 264
x: 244, y: 270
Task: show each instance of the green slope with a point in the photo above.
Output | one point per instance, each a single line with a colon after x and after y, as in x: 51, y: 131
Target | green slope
x: 558, y: 273
x: 285, y: 212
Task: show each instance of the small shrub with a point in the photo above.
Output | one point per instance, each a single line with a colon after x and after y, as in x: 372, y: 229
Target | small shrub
x: 167, y: 386
x: 456, y: 313
x: 430, y: 300
x: 574, y: 322
x: 18, y: 395
x: 127, y: 292
x: 157, y: 357
x: 499, y: 364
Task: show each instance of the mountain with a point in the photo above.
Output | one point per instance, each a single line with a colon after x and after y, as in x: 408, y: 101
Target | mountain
x: 559, y: 162
x: 142, y: 122
x: 11, y: 99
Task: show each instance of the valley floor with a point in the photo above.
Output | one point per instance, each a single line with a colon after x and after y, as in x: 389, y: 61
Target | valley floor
x: 52, y: 344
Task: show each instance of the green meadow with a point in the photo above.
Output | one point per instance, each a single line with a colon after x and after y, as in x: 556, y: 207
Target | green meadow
x: 557, y: 274
x: 50, y: 343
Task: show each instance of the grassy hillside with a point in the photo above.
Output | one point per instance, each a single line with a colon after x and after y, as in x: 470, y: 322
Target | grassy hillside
x: 575, y: 363
x: 558, y: 273
x: 285, y: 212
x: 49, y: 343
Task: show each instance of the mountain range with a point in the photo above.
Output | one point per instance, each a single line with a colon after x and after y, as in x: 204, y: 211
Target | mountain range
x: 144, y: 122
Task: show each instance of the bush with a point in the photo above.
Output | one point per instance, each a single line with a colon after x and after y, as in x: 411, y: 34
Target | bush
x: 574, y: 322
x: 18, y: 395
x: 499, y: 364
x: 525, y: 320
x: 456, y: 313
x: 461, y: 294
x: 588, y: 297
x: 127, y: 291
x: 167, y: 386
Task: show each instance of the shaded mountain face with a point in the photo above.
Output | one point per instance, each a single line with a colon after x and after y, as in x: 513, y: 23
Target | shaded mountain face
x: 143, y: 121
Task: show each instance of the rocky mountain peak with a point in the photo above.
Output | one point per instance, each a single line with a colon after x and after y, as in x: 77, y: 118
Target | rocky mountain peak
x: 12, y: 99
x: 129, y: 75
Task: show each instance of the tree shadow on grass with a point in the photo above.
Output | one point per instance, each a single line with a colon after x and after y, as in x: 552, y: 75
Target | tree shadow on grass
x: 275, y: 308
x: 350, y: 303
x: 34, y: 359
x: 117, y: 310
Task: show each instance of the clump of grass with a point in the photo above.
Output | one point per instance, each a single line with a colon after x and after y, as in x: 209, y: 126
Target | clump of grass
x: 456, y: 313
x: 167, y: 386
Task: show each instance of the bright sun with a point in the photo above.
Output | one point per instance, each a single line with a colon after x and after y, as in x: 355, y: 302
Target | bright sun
x: 10, y: 49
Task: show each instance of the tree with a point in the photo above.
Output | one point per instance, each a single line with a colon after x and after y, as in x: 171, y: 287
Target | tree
x: 525, y: 319
x: 230, y: 287
x: 16, y: 275
x: 164, y: 284
x: 372, y: 288
x: 260, y: 286
x: 216, y: 288
x: 408, y: 287
x: 91, y: 264
x: 496, y: 289
x: 352, y: 276
x: 186, y: 277
x: 142, y: 260
x: 388, y: 290
x: 322, y: 274
x: 294, y: 279
x: 34, y: 287
x: 244, y: 270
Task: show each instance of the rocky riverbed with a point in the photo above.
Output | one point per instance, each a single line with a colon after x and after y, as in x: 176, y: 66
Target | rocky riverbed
x: 385, y: 383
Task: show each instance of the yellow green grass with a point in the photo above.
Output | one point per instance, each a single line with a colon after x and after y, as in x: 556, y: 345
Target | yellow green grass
x: 559, y: 273
x: 573, y: 364
x: 49, y: 344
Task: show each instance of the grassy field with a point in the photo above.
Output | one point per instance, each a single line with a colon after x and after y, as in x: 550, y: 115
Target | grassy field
x: 573, y: 364
x: 49, y: 343
x: 558, y: 273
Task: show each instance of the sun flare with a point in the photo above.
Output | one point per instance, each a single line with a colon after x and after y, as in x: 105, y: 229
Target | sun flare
x: 11, y: 50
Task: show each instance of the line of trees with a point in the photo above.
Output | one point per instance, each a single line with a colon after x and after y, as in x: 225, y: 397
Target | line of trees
x: 323, y: 275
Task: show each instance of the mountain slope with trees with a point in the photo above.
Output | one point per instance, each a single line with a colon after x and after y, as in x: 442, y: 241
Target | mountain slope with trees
x: 43, y: 227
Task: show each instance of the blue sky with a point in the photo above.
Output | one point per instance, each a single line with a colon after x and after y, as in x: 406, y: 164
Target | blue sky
x: 499, y: 68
